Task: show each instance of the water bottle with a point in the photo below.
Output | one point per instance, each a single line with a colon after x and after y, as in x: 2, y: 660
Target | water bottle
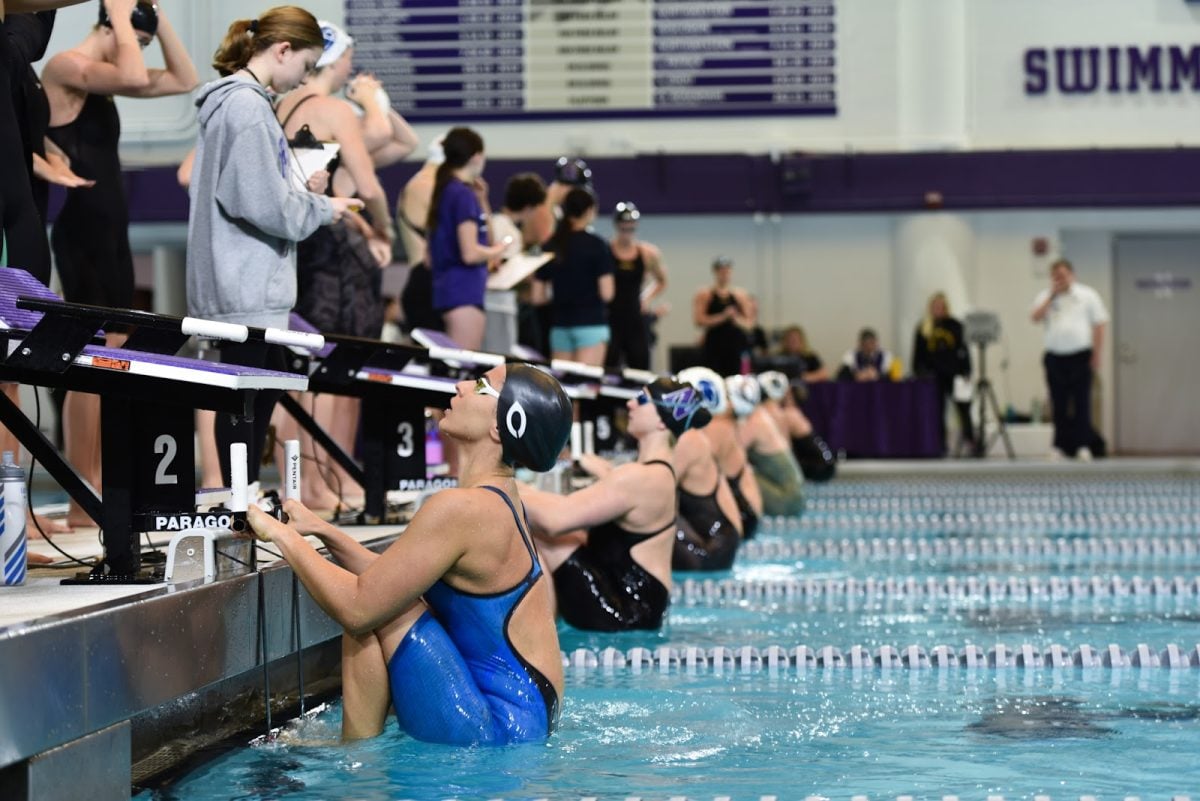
x: 12, y: 521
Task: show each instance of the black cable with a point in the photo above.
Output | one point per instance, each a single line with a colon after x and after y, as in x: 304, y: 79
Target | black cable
x: 37, y: 423
x: 299, y: 639
x: 262, y: 639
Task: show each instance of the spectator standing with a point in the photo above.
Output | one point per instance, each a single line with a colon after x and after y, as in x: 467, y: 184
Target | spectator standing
x: 940, y: 352
x: 90, y: 237
x: 246, y: 217
x: 726, y: 314
x: 582, y: 279
x: 457, y: 231
x: 22, y: 233
x: 1073, y: 318
x: 636, y: 261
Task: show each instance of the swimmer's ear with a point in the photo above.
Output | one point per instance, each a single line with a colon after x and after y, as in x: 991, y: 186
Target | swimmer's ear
x: 494, y: 433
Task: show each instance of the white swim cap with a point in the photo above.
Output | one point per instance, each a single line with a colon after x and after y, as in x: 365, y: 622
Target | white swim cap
x: 774, y: 384
x: 710, y: 386
x: 744, y: 393
x: 337, y: 41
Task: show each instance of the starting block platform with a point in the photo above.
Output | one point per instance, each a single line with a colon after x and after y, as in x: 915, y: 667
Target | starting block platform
x: 148, y: 396
x: 398, y: 383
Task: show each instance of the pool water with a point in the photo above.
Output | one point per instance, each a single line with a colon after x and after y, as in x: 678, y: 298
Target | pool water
x: 665, y: 732
x: 832, y: 733
x: 842, y: 623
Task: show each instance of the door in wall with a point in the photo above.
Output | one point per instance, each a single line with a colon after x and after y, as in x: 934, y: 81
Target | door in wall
x: 1156, y: 338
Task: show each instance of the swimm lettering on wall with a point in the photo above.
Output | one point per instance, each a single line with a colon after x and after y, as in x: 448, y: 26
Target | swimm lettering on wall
x: 1113, y: 69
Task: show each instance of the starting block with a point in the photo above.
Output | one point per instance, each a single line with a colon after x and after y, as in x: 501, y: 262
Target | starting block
x: 148, y: 397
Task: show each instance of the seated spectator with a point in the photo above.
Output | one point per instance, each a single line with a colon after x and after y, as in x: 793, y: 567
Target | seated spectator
x: 869, y: 362
x: 767, y: 447
x: 608, y: 546
x: 794, y: 343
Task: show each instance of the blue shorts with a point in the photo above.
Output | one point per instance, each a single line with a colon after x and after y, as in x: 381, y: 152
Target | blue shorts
x: 439, y: 699
x: 577, y: 336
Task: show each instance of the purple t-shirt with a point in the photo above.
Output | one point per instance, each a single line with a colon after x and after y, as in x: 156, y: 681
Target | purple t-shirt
x: 454, y: 282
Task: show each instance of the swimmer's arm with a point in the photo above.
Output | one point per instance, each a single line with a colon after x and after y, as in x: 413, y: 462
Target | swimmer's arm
x: 346, y: 551
x: 595, y: 465
x: 610, y: 498
x: 433, y: 542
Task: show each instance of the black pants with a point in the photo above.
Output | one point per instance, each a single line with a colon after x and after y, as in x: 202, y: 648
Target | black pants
x: 963, y: 409
x: 629, y: 343
x: 1070, y: 380
x: 253, y: 432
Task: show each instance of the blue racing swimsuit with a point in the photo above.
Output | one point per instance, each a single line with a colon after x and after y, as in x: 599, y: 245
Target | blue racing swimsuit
x: 455, y: 677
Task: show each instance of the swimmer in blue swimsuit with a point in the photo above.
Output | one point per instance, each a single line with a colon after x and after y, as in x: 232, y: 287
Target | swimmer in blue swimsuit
x: 452, y: 625
x: 609, y: 545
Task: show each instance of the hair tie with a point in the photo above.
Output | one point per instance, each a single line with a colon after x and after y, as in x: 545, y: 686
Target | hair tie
x: 253, y: 28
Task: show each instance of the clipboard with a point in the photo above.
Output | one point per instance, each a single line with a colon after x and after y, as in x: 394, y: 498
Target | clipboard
x: 516, y: 269
x: 310, y: 158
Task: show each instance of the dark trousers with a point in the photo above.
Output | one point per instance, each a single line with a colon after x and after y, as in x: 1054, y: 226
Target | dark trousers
x: 253, y: 432
x: 963, y: 410
x: 628, y: 344
x: 1070, y: 380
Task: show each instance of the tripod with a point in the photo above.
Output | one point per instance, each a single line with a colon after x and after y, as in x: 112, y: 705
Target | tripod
x: 987, y: 398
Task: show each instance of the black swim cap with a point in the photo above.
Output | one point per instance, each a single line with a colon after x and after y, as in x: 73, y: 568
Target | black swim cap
x: 680, y: 406
x: 626, y: 211
x: 144, y: 17
x: 573, y: 172
x: 534, y: 417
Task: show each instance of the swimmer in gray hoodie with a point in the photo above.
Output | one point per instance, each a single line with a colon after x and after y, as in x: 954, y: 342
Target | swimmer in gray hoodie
x: 245, y: 217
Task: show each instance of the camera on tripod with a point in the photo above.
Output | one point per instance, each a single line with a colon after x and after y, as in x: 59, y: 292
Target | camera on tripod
x: 981, y: 328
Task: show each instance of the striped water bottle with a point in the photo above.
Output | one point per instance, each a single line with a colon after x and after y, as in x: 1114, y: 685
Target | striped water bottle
x: 12, y: 520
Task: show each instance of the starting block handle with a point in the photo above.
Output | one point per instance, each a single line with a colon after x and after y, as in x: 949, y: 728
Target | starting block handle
x: 294, y: 339
x: 576, y: 368
x: 291, y: 466
x: 212, y: 329
x: 239, y: 491
x: 460, y: 355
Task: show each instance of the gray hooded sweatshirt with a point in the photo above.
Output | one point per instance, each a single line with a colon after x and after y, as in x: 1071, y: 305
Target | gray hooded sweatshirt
x: 245, y: 217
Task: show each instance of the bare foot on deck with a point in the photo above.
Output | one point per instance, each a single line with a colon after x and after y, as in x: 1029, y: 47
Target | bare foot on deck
x: 38, y: 559
x: 48, y: 526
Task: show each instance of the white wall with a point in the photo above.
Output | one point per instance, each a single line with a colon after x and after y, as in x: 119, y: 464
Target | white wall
x: 912, y: 75
x: 836, y: 273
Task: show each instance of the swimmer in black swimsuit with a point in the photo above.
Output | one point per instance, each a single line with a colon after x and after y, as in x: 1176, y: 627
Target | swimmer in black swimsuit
x: 609, y: 545
x: 452, y: 625
x: 814, y: 455
x: 722, y: 433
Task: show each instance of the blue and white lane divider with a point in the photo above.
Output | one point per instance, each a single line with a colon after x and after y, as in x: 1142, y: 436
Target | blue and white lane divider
x: 1119, y: 549
x: 1001, y: 522
x: 801, y: 658
x: 693, y: 590
x: 864, y: 798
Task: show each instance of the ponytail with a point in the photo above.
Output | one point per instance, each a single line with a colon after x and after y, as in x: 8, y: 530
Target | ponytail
x: 459, y: 146
x: 575, y: 205
x: 248, y: 37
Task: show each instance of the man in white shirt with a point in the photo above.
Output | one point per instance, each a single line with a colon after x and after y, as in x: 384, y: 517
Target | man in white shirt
x: 1074, y: 318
